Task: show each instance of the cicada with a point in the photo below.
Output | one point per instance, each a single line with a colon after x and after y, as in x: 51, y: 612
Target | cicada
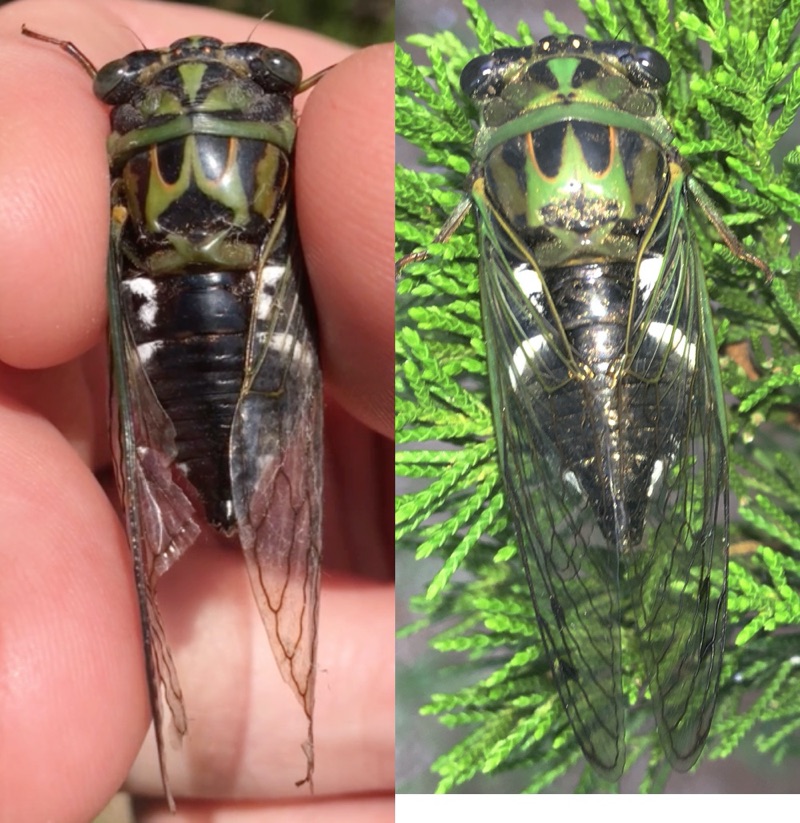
x: 216, y: 379
x: 606, y: 394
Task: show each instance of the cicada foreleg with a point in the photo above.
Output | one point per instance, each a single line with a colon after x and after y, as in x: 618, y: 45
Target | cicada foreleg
x: 449, y: 228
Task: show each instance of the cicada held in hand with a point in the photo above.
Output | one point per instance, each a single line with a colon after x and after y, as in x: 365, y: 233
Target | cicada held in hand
x: 216, y: 379
x: 606, y: 394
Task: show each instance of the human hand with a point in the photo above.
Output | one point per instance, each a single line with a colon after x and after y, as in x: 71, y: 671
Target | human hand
x: 73, y: 705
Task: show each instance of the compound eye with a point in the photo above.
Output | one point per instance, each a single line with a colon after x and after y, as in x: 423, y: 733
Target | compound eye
x: 484, y: 76
x: 478, y: 75
x: 284, y: 70
x: 274, y: 70
x: 652, y: 65
x: 646, y: 67
x: 118, y: 81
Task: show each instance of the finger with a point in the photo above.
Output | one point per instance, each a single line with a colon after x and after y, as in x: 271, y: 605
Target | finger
x: 73, y: 396
x: 245, y: 726
x: 72, y: 702
x: 345, y: 193
x: 358, y: 521
x: 338, y: 810
x: 53, y: 198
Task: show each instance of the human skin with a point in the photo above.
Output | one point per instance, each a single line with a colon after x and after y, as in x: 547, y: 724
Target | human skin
x: 73, y: 701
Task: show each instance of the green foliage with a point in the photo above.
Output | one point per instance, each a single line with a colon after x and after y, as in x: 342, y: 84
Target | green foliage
x: 733, y: 99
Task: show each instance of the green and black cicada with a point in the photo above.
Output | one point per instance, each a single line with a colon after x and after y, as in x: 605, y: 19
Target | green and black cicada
x: 217, y: 386
x: 606, y: 394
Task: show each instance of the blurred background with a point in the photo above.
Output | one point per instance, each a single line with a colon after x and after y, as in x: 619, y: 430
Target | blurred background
x: 359, y: 22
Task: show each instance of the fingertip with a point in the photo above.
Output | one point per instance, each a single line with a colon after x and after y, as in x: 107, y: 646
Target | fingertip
x: 345, y: 193
x: 72, y: 698
x: 53, y: 200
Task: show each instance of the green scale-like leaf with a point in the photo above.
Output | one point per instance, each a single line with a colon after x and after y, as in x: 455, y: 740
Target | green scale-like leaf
x: 728, y: 116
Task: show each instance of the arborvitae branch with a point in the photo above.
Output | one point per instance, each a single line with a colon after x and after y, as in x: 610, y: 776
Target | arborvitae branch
x: 727, y: 119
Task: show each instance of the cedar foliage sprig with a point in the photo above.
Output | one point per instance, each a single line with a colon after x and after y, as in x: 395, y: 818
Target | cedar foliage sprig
x: 731, y: 114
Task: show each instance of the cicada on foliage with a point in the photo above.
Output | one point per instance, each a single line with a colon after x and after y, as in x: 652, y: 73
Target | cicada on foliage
x: 216, y: 380
x: 606, y: 394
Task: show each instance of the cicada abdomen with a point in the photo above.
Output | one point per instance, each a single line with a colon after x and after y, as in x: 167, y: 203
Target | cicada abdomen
x: 216, y: 377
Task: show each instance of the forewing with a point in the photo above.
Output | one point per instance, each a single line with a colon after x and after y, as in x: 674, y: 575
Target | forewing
x: 160, y: 520
x: 572, y: 572
x: 679, y: 570
x: 276, y: 459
